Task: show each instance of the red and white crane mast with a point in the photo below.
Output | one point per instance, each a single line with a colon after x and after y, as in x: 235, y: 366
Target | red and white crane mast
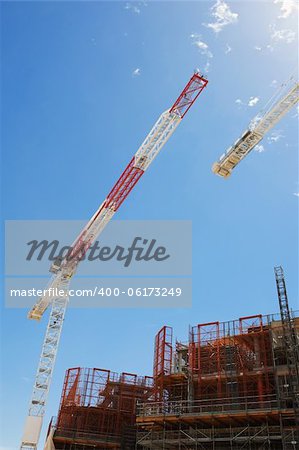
x: 65, y: 268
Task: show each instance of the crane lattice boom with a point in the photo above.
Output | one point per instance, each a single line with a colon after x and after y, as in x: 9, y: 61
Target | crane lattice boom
x: 65, y: 268
x: 255, y: 133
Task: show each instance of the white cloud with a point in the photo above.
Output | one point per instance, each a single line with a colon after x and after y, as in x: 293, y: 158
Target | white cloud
x: 136, y: 72
x: 253, y: 101
x: 296, y: 193
x: 287, y: 7
x: 273, y: 83
x: 257, y: 48
x: 228, y: 49
x: 207, y: 66
x: 203, y: 48
x: 259, y: 148
x: 135, y: 7
x: 201, y: 45
x: 275, y: 136
x: 286, y: 35
x: 223, y: 16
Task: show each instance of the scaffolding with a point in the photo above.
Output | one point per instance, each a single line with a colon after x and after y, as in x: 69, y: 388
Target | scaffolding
x: 97, y: 409
x: 233, y: 385
x: 221, y: 389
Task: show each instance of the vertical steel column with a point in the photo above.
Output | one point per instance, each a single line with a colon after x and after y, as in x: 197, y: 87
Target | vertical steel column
x: 290, y: 343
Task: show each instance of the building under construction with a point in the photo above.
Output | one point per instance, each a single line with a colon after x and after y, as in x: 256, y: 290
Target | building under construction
x: 232, y: 385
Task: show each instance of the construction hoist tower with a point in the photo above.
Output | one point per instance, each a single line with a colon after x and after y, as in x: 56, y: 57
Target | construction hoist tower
x: 290, y: 340
x: 259, y: 126
x: 64, y: 269
x: 288, y: 390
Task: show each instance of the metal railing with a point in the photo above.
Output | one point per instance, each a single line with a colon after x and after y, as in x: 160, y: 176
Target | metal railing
x: 209, y: 406
x: 192, y: 435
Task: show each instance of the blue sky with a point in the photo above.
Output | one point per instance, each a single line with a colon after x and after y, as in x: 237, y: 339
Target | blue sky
x: 82, y: 84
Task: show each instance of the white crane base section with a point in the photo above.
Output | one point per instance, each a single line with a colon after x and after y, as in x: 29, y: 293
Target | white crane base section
x: 32, y: 431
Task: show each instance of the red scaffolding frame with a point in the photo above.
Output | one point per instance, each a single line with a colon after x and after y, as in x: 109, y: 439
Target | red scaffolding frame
x: 225, y: 360
x: 98, y: 405
x: 163, y: 352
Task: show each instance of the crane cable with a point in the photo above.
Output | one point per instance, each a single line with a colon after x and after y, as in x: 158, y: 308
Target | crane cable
x: 274, y: 98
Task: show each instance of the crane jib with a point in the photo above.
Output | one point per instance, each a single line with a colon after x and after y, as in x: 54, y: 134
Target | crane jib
x: 255, y: 133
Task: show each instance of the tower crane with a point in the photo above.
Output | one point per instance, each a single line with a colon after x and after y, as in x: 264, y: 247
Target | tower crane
x: 257, y: 129
x: 64, y: 268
